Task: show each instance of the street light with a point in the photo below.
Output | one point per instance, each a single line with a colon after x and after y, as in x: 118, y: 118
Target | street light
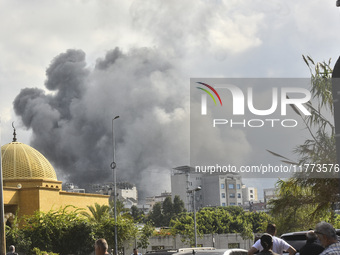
x: 113, y: 166
x: 193, y: 191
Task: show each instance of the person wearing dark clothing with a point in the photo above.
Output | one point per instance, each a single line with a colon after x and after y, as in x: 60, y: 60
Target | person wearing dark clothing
x: 311, y: 247
x: 11, y: 251
x: 267, y: 244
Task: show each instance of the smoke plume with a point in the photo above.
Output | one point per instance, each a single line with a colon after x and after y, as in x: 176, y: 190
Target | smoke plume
x: 72, y: 124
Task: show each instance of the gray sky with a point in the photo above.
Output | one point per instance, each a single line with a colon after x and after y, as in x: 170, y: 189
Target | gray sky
x: 162, y: 44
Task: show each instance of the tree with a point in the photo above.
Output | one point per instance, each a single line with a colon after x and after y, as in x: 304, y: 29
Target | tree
x: 220, y: 220
x: 121, y: 210
x: 178, y: 205
x: 306, y: 198
x: 126, y: 230
x: 62, y: 231
x: 67, y: 231
x: 162, y: 212
x: 184, y: 226
x: 136, y: 213
x: 146, y: 232
x: 168, y: 211
x: 98, y: 213
x: 156, y: 215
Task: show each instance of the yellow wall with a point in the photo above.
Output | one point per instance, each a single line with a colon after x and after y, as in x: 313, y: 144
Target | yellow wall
x: 31, y: 199
x: 28, y: 201
x: 82, y: 200
x: 11, y: 196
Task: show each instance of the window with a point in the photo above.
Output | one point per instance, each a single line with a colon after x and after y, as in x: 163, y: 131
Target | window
x: 161, y: 247
x: 251, y: 191
x: 233, y: 245
x: 232, y: 204
x: 231, y: 186
x: 223, y: 204
x: 222, y: 185
x: 232, y: 195
x: 223, y: 195
x: 251, y: 196
x: 238, y: 186
x: 238, y: 195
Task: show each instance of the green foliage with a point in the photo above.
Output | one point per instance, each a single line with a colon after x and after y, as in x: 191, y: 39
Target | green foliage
x: 58, y: 231
x: 178, y: 206
x: 162, y: 232
x: 146, y: 232
x: 163, y: 213
x: 156, y: 215
x: 36, y: 251
x: 136, y: 214
x: 306, y: 198
x: 98, y: 213
x: 168, y: 211
x: 125, y: 227
x: 220, y: 220
x: 67, y: 231
x: 14, y: 236
x: 184, y: 225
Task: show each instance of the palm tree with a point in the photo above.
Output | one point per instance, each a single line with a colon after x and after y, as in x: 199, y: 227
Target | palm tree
x: 98, y: 213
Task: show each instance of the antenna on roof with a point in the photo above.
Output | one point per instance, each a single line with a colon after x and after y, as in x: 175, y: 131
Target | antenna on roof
x: 14, y: 134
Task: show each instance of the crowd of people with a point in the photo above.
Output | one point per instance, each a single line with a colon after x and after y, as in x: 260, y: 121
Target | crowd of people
x: 321, y: 241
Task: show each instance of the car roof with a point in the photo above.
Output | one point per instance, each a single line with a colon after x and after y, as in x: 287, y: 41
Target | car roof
x: 303, y: 233
x: 200, y: 251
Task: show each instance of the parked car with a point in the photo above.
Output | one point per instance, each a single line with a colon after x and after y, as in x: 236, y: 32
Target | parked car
x: 298, y: 239
x: 200, y: 251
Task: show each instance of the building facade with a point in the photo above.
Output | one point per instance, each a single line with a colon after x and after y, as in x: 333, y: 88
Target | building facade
x: 30, y: 183
x: 215, y: 189
x: 249, y: 194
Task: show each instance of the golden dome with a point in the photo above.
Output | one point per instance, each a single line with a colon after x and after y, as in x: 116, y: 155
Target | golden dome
x: 21, y: 161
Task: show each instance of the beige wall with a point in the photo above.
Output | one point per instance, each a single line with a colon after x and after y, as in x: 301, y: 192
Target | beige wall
x: 31, y: 198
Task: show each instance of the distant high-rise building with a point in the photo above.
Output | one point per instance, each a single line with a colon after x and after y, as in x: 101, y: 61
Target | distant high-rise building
x: 184, y: 179
x: 269, y: 194
x: 216, y: 189
x: 249, y: 194
x: 151, y: 201
x: 126, y: 192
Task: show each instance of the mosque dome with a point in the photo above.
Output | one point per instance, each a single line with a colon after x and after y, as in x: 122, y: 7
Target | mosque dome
x: 21, y: 161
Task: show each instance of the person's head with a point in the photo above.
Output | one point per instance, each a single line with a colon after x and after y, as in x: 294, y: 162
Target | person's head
x: 135, y: 251
x: 311, y: 236
x: 266, y: 242
x: 271, y: 229
x: 12, y: 248
x: 101, y: 246
x: 326, y: 233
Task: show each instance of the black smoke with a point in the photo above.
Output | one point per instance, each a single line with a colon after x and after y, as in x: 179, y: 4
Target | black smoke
x: 71, y: 119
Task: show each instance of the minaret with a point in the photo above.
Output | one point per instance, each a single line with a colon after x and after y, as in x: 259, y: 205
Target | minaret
x: 14, y: 133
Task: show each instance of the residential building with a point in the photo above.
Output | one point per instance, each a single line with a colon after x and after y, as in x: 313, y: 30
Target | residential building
x: 151, y: 201
x: 269, y: 194
x: 184, y: 179
x: 216, y: 189
x: 249, y: 194
x: 126, y: 192
x: 222, y: 190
